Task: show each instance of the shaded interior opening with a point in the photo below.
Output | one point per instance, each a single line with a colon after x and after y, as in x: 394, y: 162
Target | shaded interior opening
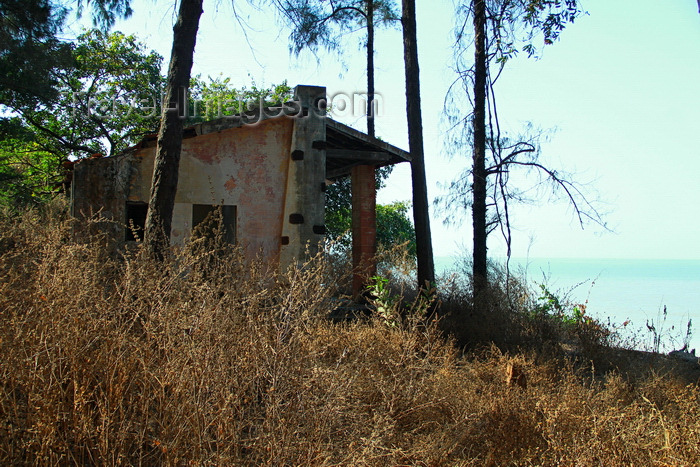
x: 135, y: 220
x: 206, y: 220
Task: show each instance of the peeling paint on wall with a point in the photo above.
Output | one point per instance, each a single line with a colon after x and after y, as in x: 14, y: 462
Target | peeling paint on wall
x: 230, y: 185
x: 107, y: 181
x: 244, y: 167
x: 270, y: 176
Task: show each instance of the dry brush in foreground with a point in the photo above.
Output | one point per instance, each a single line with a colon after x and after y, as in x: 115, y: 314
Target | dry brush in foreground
x: 202, y: 361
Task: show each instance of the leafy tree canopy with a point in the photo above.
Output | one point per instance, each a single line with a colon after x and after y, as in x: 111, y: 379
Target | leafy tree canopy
x: 107, y: 99
x: 322, y: 24
x: 28, y: 175
x: 29, y: 50
x: 105, y: 12
x: 217, y: 97
x: 95, y: 109
x: 394, y: 227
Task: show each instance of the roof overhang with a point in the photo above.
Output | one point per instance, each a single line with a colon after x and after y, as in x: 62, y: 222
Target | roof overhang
x: 345, y: 147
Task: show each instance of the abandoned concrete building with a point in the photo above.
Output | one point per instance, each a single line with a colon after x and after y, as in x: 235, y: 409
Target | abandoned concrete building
x: 269, y: 177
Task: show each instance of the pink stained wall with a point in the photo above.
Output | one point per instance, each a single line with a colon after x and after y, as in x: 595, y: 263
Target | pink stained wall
x: 246, y: 167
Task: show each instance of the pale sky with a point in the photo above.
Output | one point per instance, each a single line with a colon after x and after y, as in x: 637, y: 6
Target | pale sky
x: 620, y: 87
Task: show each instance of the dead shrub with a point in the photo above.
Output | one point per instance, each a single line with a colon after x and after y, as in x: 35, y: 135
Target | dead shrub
x: 208, y: 358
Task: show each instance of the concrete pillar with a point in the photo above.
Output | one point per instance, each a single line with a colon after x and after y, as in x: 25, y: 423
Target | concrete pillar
x: 364, y: 226
x: 303, y: 225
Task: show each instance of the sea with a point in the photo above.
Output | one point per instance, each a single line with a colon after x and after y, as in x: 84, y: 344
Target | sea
x: 632, y: 295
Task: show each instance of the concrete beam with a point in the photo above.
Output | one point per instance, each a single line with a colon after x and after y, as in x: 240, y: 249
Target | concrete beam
x: 351, y: 154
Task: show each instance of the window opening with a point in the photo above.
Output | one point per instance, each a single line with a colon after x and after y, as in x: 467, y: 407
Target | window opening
x: 204, y: 217
x: 135, y: 220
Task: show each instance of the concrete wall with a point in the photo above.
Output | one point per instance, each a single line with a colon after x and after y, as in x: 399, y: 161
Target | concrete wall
x: 273, y: 171
x: 246, y: 167
x: 99, y: 189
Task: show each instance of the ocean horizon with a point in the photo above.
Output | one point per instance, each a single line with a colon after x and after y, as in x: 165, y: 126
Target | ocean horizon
x: 620, y: 290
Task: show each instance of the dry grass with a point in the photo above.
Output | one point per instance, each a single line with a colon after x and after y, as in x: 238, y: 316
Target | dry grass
x: 202, y: 361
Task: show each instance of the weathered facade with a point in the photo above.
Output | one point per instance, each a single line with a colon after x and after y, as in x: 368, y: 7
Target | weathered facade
x: 268, y: 171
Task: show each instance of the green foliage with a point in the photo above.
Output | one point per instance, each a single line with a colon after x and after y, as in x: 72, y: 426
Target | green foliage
x: 339, y: 206
x: 109, y: 98
x: 552, y: 305
x: 549, y: 17
x: 394, y: 226
x: 28, y: 176
x: 517, y: 25
x: 96, y: 107
x: 548, y: 303
x: 572, y: 317
x: 29, y: 51
x: 339, y: 212
x: 31, y: 56
x: 383, y: 301
x: 106, y: 12
x: 321, y: 24
x: 218, y: 98
x: 390, y: 309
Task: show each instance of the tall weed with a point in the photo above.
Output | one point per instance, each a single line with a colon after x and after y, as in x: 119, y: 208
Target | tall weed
x: 210, y: 359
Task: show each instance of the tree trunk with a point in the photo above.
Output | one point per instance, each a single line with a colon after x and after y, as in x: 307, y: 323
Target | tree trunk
x: 426, y: 268
x: 167, y: 162
x: 479, y: 267
x: 370, y: 68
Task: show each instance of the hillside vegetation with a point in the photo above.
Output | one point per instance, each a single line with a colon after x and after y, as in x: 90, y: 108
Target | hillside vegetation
x: 113, y: 360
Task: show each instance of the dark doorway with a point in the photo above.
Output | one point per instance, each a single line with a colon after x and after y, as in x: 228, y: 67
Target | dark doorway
x: 135, y: 220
